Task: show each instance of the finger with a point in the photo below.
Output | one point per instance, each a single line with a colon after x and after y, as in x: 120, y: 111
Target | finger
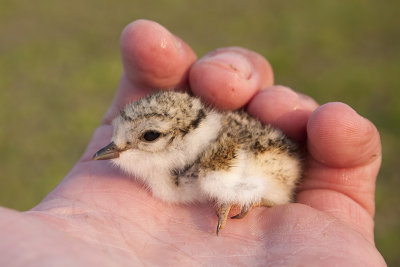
x: 229, y: 77
x: 339, y: 137
x: 284, y: 109
x: 153, y: 58
x: 345, y: 156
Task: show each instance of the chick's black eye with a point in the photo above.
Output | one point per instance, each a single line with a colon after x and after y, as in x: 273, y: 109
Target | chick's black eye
x: 151, y: 135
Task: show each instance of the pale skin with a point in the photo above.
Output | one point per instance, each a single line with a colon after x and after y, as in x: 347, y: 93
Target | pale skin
x: 97, y: 215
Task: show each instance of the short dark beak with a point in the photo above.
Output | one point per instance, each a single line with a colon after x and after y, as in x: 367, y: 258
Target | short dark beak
x: 111, y: 151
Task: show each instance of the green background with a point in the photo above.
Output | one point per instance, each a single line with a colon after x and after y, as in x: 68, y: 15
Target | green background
x: 60, y: 66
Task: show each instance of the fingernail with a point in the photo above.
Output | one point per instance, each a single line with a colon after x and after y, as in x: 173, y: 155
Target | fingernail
x: 230, y: 61
x: 178, y: 42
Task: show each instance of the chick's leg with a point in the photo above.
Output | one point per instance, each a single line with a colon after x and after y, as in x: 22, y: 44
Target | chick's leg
x: 222, y: 213
x: 247, y: 208
x: 243, y: 212
x: 266, y: 203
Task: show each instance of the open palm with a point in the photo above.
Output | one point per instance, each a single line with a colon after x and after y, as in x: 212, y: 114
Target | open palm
x: 99, y: 216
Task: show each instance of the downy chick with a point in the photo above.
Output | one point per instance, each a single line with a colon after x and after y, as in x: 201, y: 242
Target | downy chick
x: 186, y: 152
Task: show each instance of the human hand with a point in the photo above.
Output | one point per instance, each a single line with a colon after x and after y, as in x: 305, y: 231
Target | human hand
x: 98, y: 215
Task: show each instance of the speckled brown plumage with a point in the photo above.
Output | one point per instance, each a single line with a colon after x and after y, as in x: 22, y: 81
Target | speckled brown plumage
x: 186, y: 152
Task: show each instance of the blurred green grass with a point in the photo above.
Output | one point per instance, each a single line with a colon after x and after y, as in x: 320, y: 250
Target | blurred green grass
x: 60, y: 66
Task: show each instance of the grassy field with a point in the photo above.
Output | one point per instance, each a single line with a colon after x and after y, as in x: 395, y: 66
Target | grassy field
x: 60, y: 66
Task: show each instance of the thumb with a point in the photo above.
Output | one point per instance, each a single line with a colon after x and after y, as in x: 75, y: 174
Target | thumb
x: 344, y: 160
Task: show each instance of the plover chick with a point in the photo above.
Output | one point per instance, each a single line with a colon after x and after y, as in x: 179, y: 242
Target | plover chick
x: 186, y: 152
